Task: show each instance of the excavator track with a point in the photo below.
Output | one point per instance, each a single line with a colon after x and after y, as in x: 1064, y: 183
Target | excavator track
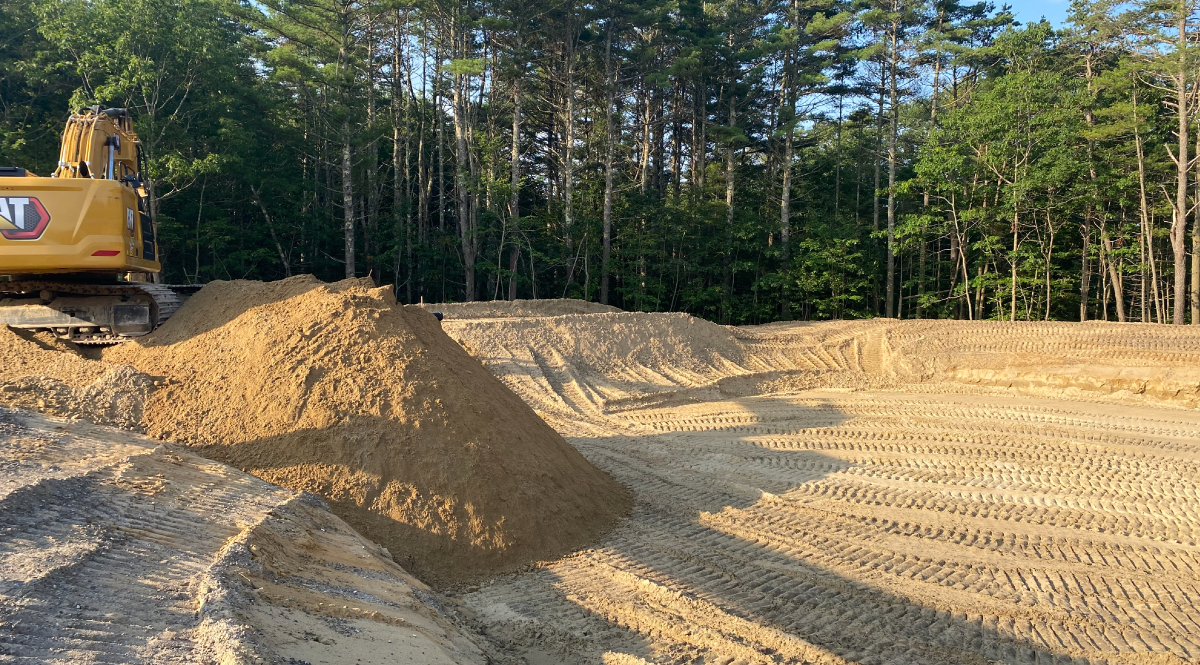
x: 90, y: 313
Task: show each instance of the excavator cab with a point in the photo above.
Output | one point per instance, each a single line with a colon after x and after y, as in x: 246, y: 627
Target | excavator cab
x: 78, y: 248
x: 92, y: 215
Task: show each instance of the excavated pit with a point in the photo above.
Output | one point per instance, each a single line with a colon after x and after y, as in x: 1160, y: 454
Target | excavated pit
x: 892, y: 492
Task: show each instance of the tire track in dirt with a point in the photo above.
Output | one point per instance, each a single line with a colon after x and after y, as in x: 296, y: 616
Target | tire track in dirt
x: 917, y: 523
x: 117, y: 549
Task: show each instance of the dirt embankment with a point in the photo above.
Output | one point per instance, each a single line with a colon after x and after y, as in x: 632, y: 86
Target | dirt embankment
x: 119, y: 549
x: 1135, y: 361
x: 604, y: 362
x: 338, y: 390
x: 893, y: 492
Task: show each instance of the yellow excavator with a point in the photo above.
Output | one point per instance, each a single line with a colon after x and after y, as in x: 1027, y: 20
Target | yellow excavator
x: 77, y: 249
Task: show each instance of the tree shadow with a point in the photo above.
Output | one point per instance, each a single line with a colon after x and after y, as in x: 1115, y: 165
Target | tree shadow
x: 719, y: 520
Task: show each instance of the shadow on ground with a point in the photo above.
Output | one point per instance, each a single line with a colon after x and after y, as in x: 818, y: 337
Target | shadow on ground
x: 720, y: 563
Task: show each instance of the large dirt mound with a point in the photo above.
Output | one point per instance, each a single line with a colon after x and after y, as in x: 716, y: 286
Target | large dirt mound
x: 338, y: 390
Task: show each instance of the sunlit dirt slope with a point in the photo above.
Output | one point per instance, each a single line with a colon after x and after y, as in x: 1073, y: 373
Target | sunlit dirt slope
x: 869, y: 492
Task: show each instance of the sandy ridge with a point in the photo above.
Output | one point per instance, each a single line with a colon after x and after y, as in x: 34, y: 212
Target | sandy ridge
x: 117, y: 548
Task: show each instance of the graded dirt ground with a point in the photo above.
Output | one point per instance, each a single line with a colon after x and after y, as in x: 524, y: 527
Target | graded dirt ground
x: 869, y: 492
x: 885, y: 492
x: 115, y: 548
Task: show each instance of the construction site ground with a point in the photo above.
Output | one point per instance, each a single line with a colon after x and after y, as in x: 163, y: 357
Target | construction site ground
x: 840, y: 492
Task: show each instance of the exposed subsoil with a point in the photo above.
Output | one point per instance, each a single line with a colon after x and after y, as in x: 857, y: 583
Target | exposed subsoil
x: 869, y: 492
x: 115, y: 548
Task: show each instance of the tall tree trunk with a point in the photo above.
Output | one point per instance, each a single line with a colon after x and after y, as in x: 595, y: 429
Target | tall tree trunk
x: 348, y: 199
x: 644, y: 156
x: 786, y: 113
x: 462, y: 159
x: 610, y: 140
x: 699, y: 139
x: 1085, y: 279
x: 785, y: 218
x: 676, y: 139
x: 879, y: 143
x: 1147, y: 235
x: 514, y: 201
x: 1179, y: 218
x: 729, y: 192
x: 397, y: 148
x: 424, y: 184
x: 441, y: 140
x: 397, y: 189
x: 894, y: 60
x: 1089, y: 210
x: 1195, y: 295
x: 568, y: 158
x: 1049, y: 256
x: 1016, y: 233
x: 371, y: 165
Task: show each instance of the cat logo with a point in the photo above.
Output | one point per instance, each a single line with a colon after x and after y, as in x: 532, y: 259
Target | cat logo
x: 22, y: 218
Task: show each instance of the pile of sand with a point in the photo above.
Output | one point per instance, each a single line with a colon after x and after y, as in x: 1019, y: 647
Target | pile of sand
x: 36, y: 372
x: 338, y: 390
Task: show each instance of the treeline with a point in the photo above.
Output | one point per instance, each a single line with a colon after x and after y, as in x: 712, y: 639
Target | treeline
x: 743, y: 160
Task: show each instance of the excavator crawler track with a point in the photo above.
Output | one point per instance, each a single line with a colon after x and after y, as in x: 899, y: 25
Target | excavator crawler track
x: 90, y: 313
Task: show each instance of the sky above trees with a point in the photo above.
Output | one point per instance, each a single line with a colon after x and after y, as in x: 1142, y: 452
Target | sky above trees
x: 1031, y: 11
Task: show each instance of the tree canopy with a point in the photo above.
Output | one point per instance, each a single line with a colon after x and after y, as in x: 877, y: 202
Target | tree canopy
x: 742, y: 160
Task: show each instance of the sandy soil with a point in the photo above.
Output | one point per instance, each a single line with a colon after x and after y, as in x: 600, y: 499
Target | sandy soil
x: 338, y: 390
x: 118, y: 549
x: 871, y: 492
x: 868, y: 492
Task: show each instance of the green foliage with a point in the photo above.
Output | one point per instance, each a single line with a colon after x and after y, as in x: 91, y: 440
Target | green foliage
x: 1030, y: 164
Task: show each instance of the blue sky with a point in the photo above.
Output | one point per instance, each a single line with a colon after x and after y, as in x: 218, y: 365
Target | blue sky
x: 1030, y: 11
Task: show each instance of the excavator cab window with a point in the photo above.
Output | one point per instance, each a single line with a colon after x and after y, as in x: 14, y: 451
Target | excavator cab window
x: 12, y: 172
x: 148, y: 252
x: 147, y: 230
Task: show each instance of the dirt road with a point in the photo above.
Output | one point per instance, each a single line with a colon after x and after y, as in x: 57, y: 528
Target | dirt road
x: 856, y: 493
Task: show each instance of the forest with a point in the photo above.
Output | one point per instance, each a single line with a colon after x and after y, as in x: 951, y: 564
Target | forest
x: 742, y: 160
